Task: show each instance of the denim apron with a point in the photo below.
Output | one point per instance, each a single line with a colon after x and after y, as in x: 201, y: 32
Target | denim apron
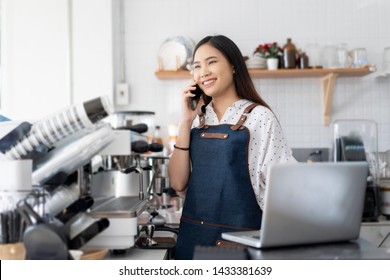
x: 219, y: 196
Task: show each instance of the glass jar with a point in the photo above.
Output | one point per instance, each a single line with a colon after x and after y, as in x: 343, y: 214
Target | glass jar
x: 359, y: 57
x: 330, y: 59
x: 313, y: 51
x: 342, y: 56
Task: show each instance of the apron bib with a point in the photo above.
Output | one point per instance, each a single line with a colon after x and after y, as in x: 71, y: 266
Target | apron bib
x: 219, y: 196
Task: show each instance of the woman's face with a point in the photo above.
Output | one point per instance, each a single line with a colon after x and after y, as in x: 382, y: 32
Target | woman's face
x: 212, y: 71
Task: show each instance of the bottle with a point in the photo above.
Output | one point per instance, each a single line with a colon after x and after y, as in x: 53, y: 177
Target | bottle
x: 303, y: 61
x: 281, y: 61
x: 289, y: 55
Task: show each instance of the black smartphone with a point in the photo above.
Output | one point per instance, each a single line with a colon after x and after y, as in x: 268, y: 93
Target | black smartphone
x: 193, y: 101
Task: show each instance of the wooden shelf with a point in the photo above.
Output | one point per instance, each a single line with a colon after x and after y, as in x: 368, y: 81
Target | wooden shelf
x: 328, y: 77
x: 281, y: 73
x: 179, y: 74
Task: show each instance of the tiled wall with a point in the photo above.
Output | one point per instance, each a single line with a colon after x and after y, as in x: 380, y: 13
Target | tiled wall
x: 297, y: 102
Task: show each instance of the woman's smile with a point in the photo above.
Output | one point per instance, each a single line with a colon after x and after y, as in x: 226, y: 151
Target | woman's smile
x: 209, y: 83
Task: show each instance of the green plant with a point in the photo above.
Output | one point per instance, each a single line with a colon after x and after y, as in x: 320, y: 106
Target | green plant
x: 270, y: 50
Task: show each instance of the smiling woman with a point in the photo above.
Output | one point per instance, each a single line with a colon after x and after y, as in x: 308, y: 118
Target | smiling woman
x: 228, y: 148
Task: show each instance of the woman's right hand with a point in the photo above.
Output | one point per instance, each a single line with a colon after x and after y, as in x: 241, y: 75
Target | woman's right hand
x: 188, y: 113
x: 179, y: 168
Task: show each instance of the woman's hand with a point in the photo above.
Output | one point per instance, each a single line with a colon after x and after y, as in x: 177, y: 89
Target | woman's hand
x: 179, y: 169
x: 188, y: 113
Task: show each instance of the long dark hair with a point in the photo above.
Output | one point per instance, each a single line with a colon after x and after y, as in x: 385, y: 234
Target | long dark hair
x: 242, y: 80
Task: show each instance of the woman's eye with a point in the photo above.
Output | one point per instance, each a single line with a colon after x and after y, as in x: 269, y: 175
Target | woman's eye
x: 212, y: 61
x: 196, y: 66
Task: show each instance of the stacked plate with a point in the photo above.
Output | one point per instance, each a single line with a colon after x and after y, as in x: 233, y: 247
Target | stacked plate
x: 175, y: 53
x: 256, y: 62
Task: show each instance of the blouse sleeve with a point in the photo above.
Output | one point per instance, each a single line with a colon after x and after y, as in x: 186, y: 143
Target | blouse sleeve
x: 273, y: 149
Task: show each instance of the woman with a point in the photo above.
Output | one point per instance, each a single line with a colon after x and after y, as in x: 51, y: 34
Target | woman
x: 221, y: 158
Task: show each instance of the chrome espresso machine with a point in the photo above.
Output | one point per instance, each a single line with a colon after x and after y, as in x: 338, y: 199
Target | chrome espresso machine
x: 89, y: 180
x: 120, y: 179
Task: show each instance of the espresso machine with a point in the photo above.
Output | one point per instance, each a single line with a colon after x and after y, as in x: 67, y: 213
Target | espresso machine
x: 57, y: 147
x: 119, y: 183
x: 94, y: 176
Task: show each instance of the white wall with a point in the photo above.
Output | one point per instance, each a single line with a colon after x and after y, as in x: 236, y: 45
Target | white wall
x: 297, y: 102
x: 51, y: 57
x: 35, y: 57
x: 54, y: 53
x: 92, y: 49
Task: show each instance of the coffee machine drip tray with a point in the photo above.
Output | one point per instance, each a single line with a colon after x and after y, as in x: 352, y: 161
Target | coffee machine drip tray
x: 118, y: 207
x: 122, y: 213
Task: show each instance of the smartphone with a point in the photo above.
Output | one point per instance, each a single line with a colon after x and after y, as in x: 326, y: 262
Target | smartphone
x: 193, y: 101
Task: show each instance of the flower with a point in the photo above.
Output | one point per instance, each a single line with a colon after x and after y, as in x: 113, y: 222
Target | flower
x: 270, y: 50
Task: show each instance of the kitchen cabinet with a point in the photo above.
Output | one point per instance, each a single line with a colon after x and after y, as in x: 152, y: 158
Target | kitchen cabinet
x: 327, y: 76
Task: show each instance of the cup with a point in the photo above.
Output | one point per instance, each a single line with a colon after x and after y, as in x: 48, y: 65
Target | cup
x: 330, y: 59
x: 359, y: 58
x: 342, y: 56
x: 313, y: 51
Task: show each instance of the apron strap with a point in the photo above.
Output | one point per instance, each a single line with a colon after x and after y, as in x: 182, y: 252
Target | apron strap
x: 243, y: 117
x: 202, y: 121
x: 238, y: 125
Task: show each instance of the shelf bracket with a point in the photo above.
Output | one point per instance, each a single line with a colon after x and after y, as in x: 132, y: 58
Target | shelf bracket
x: 328, y: 83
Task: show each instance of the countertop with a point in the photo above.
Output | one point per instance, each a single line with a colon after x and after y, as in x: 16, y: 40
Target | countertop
x: 139, y: 254
x: 136, y: 253
x: 353, y: 250
x: 359, y: 249
x: 382, y: 221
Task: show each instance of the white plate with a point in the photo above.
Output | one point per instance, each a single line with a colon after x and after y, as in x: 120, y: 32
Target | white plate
x: 174, y: 53
x: 256, y: 62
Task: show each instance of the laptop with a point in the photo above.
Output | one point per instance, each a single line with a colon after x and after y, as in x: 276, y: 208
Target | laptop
x: 308, y: 203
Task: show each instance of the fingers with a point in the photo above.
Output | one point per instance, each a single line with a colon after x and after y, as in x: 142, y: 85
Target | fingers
x: 188, y: 90
x: 188, y: 94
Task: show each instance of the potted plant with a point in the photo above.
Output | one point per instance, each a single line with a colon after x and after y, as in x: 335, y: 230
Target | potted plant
x: 270, y: 52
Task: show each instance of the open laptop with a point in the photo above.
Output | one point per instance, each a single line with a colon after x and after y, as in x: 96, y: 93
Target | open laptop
x: 307, y: 203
